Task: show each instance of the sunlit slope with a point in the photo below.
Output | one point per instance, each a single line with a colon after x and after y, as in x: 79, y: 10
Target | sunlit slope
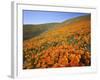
x: 67, y: 44
x: 80, y: 26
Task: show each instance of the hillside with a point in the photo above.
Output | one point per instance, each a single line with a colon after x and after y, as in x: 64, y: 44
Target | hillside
x: 30, y: 31
x: 67, y: 44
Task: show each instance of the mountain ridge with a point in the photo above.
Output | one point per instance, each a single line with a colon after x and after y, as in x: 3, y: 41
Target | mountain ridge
x: 32, y: 30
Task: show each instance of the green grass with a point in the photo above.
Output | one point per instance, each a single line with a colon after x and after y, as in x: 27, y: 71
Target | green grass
x: 30, y: 31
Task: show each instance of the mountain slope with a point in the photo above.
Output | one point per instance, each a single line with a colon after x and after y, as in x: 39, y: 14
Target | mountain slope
x: 30, y: 31
x: 65, y: 45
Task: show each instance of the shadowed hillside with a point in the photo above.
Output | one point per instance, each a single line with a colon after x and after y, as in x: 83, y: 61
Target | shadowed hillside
x: 66, y: 44
x: 30, y: 31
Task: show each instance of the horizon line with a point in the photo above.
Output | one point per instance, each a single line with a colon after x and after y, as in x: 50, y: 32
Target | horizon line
x: 58, y: 21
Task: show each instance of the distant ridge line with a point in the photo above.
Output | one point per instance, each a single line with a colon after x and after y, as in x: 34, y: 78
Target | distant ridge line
x: 83, y: 16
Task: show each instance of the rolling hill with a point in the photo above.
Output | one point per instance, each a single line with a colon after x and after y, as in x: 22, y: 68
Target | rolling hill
x: 65, y: 44
x: 30, y: 31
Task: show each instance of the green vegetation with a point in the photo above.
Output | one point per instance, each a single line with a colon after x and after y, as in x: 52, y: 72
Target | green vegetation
x: 30, y: 31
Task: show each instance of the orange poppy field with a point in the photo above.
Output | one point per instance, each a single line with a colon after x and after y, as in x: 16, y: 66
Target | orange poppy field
x: 57, y: 45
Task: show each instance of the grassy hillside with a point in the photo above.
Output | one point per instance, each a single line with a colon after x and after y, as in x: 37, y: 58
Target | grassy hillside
x: 68, y: 44
x: 30, y: 31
